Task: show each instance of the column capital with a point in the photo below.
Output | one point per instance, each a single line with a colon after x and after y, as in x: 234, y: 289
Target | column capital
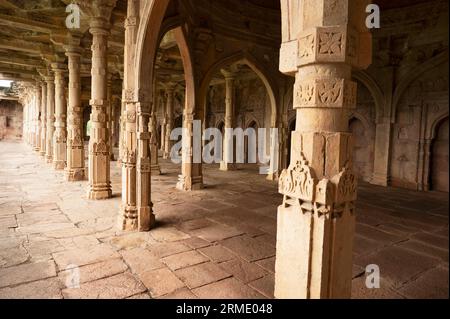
x: 229, y: 75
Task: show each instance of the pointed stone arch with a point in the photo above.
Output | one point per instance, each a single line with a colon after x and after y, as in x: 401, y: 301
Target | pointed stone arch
x: 256, y: 66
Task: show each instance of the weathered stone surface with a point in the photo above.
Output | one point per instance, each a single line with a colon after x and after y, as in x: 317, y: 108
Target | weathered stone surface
x: 81, y: 257
x: 183, y: 260
x: 243, y: 270
x: 398, y: 265
x: 216, y: 232
x: 93, y: 272
x: 141, y: 260
x: 168, y: 234
x: 167, y: 249
x: 200, y: 275
x: 248, y: 248
x: 26, y: 273
x: 115, y: 287
x: 13, y: 256
x: 161, y: 282
x: 264, y: 285
x: 433, y: 284
x: 227, y: 289
x: 217, y: 253
x: 43, y: 289
x: 182, y: 293
x: 195, y: 243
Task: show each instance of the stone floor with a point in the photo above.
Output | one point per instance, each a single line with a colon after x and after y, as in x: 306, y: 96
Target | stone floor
x: 214, y: 243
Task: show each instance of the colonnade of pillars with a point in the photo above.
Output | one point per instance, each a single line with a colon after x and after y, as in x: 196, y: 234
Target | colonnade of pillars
x: 317, y: 216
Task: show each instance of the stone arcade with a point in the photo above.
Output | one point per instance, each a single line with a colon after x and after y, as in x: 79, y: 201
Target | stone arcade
x: 360, y: 176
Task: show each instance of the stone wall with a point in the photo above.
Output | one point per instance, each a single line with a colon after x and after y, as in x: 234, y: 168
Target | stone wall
x: 11, y: 113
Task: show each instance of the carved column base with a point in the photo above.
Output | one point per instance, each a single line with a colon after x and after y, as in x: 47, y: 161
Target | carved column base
x: 75, y: 175
x: 224, y: 166
x: 42, y: 153
x: 37, y: 149
x: 59, y: 165
x: 99, y: 192
x: 187, y: 183
x: 133, y: 220
x: 49, y: 159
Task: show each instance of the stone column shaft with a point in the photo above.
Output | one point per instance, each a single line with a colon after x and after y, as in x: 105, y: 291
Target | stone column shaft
x: 191, y: 177
x: 146, y: 218
x: 75, y: 170
x: 228, y: 162
x: 43, y: 128
x: 50, y: 118
x: 170, y: 92
x: 37, y: 118
x: 60, y: 135
x: 155, y: 169
x: 110, y: 119
x: 317, y: 218
x: 129, y: 217
x: 99, y: 149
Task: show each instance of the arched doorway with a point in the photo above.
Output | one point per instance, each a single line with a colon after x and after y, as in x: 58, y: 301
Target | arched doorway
x: 439, y: 158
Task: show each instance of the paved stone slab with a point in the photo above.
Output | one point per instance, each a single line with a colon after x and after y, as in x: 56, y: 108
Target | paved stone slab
x: 43, y: 289
x: 398, y: 265
x: 268, y: 264
x: 265, y: 285
x: 360, y: 290
x: 227, y: 289
x: 201, y: 275
x: 182, y: 293
x: 167, y: 249
x: 185, y: 259
x: 168, y: 234
x: 81, y: 257
x: 26, y: 273
x: 243, y: 270
x: 141, y: 260
x: 432, y: 284
x: 195, y: 243
x: 13, y: 256
x: 92, y: 272
x: 248, y: 248
x: 161, y: 282
x: 115, y: 287
x: 216, y: 232
x: 217, y: 253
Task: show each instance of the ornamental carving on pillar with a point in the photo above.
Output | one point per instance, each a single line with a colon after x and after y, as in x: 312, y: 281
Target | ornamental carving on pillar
x: 100, y: 148
x: 346, y: 185
x: 298, y: 181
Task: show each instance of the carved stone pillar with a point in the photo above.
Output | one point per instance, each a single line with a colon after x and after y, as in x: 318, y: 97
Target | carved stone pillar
x: 99, y: 150
x: 50, y: 118
x: 191, y: 177
x: 110, y: 118
x: 317, y: 218
x: 60, y: 135
x: 37, y: 118
x: 146, y: 218
x: 155, y: 169
x: 228, y: 163
x: 43, y: 128
x: 170, y: 94
x: 129, y: 217
x: 75, y: 170
x: 382, y: 153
